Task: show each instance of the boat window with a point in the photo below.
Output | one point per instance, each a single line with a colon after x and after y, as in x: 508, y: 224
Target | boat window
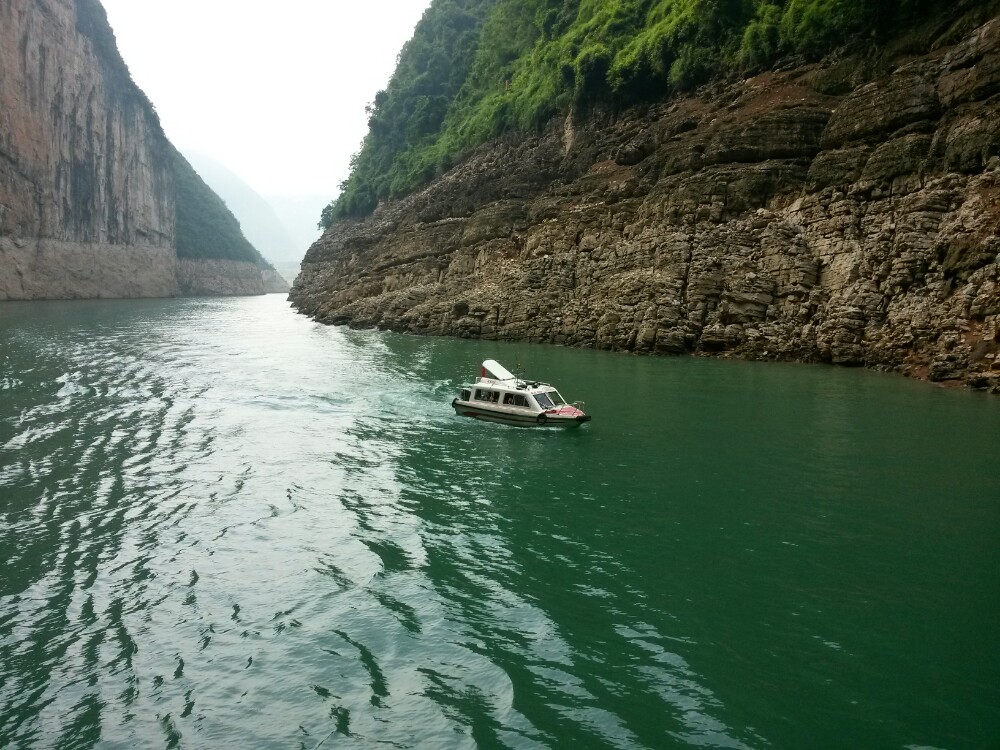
x: 543, y: 400
x: 465, y: 395
x: 556, y: 398
x: 515, y: 399
x: 484, y: 395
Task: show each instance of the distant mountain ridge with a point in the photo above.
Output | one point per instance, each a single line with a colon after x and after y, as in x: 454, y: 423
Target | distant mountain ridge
x: 258, y: 219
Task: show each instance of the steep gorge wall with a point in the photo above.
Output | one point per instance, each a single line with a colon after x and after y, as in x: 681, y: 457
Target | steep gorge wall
x: 87, y: 203
x: 835, y: 212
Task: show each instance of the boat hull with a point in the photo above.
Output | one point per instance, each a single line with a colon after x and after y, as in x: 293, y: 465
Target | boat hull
x: 517, y: 418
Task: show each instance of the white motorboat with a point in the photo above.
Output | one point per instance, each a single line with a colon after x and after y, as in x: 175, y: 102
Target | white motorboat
x: 500, y: 396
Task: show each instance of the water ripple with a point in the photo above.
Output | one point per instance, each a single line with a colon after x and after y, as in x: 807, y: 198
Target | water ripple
x: 222, y: 524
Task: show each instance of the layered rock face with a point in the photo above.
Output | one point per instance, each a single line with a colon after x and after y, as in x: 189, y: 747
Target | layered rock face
x: 275, y: 283
x: 831, y: 212
x: 207, y: 278
x: 87, y: 204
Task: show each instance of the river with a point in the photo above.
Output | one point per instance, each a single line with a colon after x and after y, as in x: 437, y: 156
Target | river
x: 224, y: 525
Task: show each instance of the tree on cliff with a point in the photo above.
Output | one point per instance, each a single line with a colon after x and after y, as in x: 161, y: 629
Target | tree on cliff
x: 475, y: 69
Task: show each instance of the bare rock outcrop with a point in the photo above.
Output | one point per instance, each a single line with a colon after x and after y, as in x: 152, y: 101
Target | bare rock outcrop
x: 275, y: 283
x: 766, y: 219
x: 218, y: 278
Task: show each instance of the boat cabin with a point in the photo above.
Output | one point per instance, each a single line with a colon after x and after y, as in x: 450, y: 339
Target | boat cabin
x: 545, y: 397
x: 500, y: 396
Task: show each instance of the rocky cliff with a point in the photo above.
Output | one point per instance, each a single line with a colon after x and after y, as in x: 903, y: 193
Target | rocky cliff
x: 87, y: 182
x: 275, y: 283
x: 845, y: 212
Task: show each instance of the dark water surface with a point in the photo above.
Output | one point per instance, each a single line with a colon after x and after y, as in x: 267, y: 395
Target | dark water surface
x: 225, y: 526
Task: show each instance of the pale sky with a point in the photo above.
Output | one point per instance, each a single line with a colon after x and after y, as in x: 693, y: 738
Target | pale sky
x: 274, y: 91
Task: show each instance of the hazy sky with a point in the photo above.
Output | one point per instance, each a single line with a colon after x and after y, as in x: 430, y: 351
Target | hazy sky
x: 274, y: 91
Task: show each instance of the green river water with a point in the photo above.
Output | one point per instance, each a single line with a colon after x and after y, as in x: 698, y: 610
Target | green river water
x: 225, y: 526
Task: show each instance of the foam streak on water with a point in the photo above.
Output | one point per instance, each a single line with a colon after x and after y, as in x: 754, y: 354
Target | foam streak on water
x: 222, y: 525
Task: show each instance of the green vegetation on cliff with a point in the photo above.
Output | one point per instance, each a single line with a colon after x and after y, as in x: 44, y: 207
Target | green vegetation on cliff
x: 206, y: 228
x: 92, y: 23
x: 478, y: 68
x: 406, y: 120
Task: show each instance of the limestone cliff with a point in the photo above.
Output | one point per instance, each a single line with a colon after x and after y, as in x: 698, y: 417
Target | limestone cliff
x: 845, y: 212
x: 87, y: 178
x: 275, y: 283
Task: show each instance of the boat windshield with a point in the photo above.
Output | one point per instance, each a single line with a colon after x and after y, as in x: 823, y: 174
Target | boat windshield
x: 543, y: 400
x: 556, y: 398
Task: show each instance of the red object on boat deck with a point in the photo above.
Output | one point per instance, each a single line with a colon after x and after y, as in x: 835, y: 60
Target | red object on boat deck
x: 565, y: 411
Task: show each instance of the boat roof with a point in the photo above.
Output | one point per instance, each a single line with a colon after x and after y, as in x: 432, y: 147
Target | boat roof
x: 495, y: 375
x: 496, y: 371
